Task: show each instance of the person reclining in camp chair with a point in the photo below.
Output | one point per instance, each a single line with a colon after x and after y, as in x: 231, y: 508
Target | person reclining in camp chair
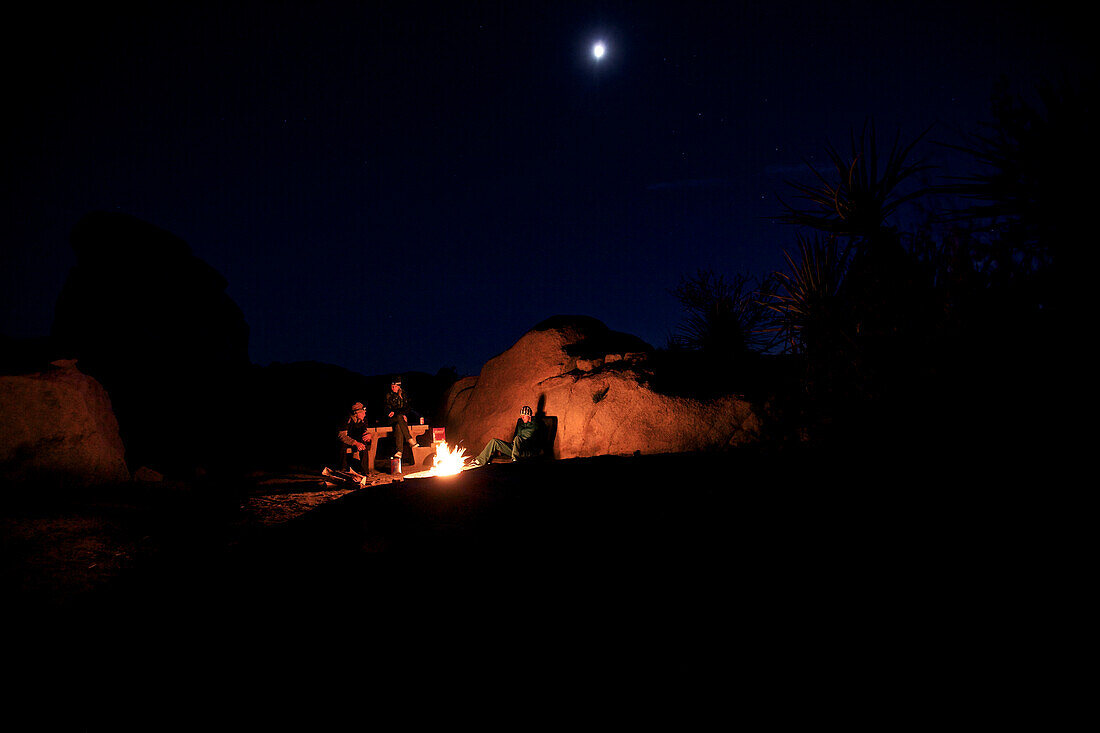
x: 526, y: 441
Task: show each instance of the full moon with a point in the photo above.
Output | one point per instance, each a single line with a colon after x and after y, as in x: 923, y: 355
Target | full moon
x: 598, y: 50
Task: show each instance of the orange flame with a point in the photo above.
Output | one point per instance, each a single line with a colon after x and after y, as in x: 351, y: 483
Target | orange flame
x: 447, y: 462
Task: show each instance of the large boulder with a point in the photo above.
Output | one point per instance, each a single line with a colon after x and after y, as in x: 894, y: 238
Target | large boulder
x: 138, y: 294
x: 593, y: 384
x: 152, y: 323
x: 58, y: 427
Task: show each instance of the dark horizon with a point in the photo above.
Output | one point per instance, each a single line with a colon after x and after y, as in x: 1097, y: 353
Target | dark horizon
x: 394, y: 189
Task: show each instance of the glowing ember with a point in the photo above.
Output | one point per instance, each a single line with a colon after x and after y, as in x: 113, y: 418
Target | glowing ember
x: 447, y: 462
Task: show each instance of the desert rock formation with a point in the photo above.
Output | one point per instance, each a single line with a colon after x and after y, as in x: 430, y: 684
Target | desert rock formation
x: 58, y: 427
x: 153, y: 324
x: 593, y: 383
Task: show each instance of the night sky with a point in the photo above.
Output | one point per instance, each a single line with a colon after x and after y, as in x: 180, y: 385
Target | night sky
x: 396, y: 187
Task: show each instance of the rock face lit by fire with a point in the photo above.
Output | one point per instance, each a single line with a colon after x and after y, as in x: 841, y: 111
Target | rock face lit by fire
x: 58, y: 427
x: 592, y: 382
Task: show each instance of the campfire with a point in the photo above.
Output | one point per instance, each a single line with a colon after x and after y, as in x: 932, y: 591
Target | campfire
x: 447, y: 462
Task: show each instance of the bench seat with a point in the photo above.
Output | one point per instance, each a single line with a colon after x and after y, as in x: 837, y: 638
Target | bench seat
x: 420, y: 453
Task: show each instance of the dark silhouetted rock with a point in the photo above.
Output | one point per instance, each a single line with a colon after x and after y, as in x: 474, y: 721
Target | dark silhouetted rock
x: 153, y: 323
x: 138, y: 295
x: 594, y: 383
x: 58, y: 427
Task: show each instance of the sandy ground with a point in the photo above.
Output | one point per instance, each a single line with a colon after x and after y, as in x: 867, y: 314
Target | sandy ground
x: 66, y: 550
x: 672, y: 581
x: 273, y: 537
x: 59, y: 549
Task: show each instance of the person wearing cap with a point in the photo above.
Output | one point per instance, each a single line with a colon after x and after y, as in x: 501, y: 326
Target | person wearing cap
x: 354, y: 436
x: 398, y: 413
x: 525, y: 441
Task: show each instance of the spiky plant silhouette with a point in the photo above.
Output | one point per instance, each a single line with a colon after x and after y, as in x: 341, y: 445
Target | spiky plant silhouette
x: 845, y: 303
x: 716, y: 348
x: 860, y: 200
x: 725, y: 319
x: 806, y: 305
x: 855, y: 208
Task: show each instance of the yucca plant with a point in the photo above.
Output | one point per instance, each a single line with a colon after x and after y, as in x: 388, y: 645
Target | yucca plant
x: 725, y: 319
x: 860, y: 201
x: 814, y: 319
x: 805, y: 301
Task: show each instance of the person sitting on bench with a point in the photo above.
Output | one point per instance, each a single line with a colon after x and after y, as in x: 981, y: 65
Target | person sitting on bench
x: 525, y: 441
x: 354, y: 438
x: 399, y: 413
